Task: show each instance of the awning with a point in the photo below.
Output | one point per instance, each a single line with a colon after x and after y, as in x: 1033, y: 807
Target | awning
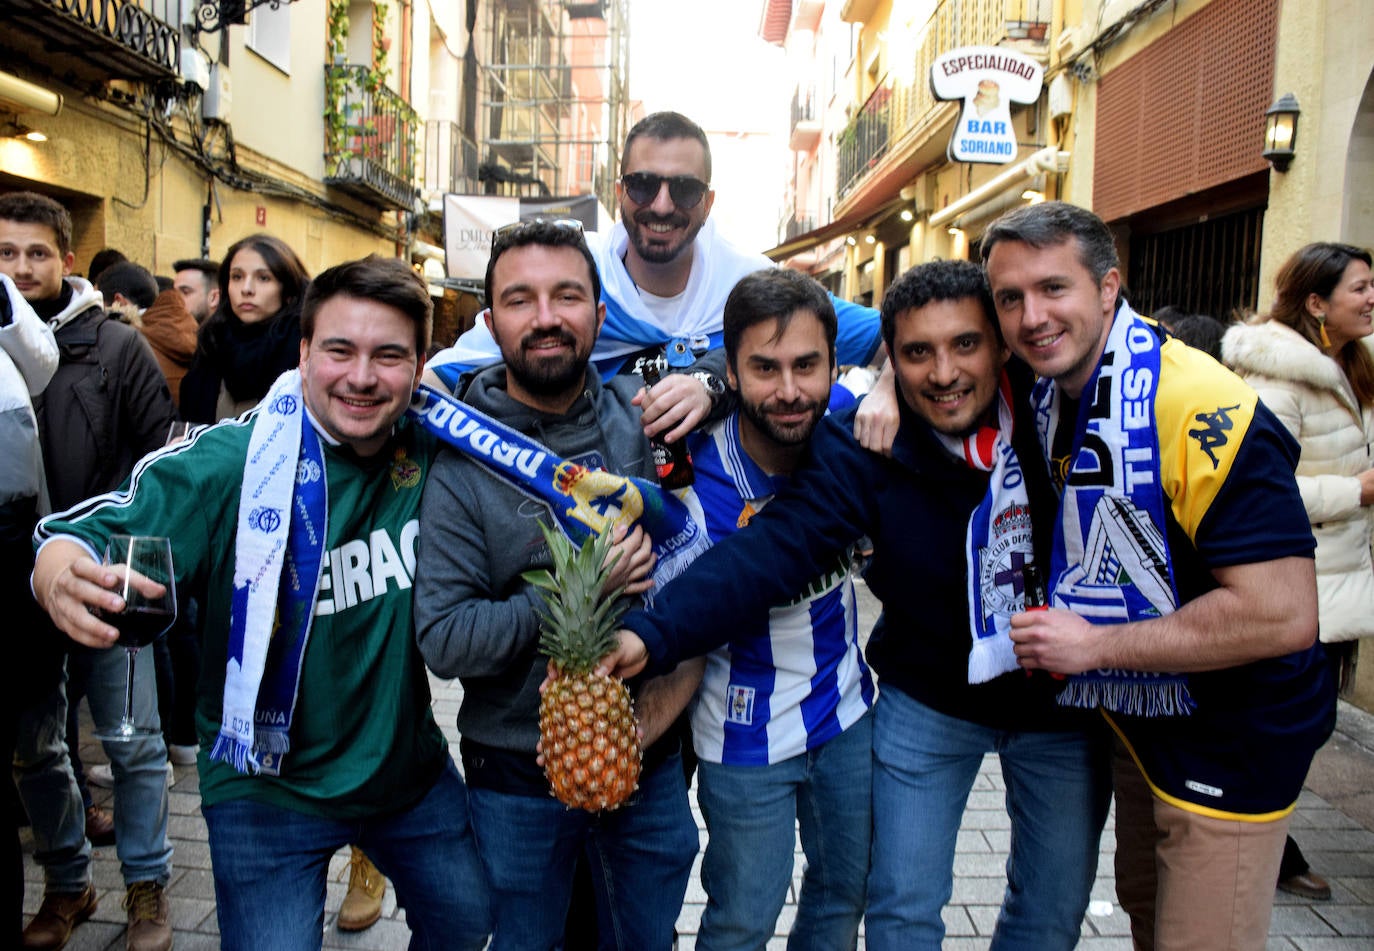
x: 836, y: 228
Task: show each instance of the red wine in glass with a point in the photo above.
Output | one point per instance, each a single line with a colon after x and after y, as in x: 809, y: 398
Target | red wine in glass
x: 147, y: 584
x: 141, y: 625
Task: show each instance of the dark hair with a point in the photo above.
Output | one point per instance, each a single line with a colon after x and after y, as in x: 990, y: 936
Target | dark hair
x: 1200, y: 332
x: 387, y: 281
x: 1168, y: 315
x: 204, y: 265
x: 546, y: 234
x: 775, y: 294
x: 663, y: 126
x: 164, y: 283
x: 138, y: 286
x: 31, y: 208
x: 1051, y: 223
x: 104, y: 259
x: 1317, y: 269
x: 285, y: 266
x: 936, y: 281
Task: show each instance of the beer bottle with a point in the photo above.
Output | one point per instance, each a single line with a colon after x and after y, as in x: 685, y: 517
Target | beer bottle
x: 1034, y: 587
x: 672, y: 460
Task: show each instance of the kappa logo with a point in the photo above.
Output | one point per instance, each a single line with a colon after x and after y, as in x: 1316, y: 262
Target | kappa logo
x: 308, y: 471
x: 265, y: 519
x: 1215, y: 426
x: 284, y: 405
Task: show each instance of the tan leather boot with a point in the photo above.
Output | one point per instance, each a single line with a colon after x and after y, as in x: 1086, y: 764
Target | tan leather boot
x: 362, y: 906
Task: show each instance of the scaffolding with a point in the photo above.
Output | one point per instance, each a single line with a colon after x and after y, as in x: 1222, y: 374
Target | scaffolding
x: 556, y: 97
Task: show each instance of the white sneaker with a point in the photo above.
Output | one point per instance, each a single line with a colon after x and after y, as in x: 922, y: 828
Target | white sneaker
x: 102, y: 775
x: 181, y: 755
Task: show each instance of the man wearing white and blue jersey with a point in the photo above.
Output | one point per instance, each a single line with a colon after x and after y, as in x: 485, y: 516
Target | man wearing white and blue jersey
x: 780, y: 726
x: 949, y: 517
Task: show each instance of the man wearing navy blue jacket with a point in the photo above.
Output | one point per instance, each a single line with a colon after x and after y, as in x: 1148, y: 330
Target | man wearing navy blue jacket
x: 965, y: 469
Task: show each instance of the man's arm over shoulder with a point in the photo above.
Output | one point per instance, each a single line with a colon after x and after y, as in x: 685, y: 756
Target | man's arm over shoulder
x: 463, y: 625
x: 795, y: 538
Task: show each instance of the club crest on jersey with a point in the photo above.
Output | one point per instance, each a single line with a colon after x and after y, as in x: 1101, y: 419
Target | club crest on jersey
x: 1001, y: 562
x: 740, y: 708
x: 405, y: 472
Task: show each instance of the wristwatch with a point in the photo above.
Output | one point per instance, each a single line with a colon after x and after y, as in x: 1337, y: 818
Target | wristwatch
x: 715, y: 386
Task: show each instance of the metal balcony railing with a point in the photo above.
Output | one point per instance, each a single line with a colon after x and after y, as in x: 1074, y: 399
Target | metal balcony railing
x: 798, y: 225
x: 803, y: 105
x: 864, y: 141
x: 369, y: 138
x: 95, y: 39
x: 450, y: 159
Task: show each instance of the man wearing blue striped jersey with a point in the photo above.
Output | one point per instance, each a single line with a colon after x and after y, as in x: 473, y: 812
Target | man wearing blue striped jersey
x: 780, y: 725
x: 1182, y: 589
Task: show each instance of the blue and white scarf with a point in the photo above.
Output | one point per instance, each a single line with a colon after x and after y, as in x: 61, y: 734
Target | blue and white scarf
x: 282, y: 530
x: 585, y: 502
x: 998, y: 542
x: 1111, y: 562
x: 278, y: 557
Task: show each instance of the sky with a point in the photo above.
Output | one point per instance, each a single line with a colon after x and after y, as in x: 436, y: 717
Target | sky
x: 704, y: 58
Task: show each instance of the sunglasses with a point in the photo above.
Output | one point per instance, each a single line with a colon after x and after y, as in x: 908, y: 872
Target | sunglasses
x: 567, y: 224
x: 685, y: 191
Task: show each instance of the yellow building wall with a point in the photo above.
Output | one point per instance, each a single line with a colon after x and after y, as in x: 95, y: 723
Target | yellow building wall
x: 1325, y: 58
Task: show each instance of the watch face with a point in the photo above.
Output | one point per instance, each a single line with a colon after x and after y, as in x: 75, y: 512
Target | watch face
x: 714, y: 385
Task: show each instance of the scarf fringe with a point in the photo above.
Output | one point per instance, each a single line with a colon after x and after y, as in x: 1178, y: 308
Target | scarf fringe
x: 669, y: 568
x: 1167, y: 698
x: 991, y: 657
x: 232, y: 750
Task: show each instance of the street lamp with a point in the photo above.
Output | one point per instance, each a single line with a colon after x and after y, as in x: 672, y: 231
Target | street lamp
x: 1281, y: 131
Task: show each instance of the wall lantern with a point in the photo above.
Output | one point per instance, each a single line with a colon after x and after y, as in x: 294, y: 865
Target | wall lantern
x: 1281, y: 132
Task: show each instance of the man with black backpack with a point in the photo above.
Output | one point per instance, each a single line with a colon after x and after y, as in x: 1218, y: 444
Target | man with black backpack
x: 106, y: 407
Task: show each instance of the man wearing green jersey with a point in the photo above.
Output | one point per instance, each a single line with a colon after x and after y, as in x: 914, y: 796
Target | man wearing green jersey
x: 314, y: 710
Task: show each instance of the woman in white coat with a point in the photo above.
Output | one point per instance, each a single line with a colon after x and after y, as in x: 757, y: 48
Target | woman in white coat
x: 1310, y: 362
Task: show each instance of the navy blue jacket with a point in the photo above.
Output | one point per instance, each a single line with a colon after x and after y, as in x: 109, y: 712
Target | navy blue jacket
x: 915, y: 507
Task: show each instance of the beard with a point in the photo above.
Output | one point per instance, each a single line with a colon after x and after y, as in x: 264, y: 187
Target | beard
x: 651, y: 247
x: 760, y: 415
x: 548, y: 376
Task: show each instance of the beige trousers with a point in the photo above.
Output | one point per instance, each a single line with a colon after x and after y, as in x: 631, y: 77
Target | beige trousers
x: 1191, y: 882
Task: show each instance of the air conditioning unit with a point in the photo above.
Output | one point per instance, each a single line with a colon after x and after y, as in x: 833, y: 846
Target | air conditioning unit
x: 214, y: 105
x: 195, y: 68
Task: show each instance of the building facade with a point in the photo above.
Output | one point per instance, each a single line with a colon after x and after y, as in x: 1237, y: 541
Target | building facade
x: 1152, y: 113
x: 172, y: 128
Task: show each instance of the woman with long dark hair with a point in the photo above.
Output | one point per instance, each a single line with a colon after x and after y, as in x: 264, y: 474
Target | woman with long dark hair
x: 1311, y: 363
x: 254, y: 334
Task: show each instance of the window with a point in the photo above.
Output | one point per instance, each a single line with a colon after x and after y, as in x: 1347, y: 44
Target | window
x: 269, y: 35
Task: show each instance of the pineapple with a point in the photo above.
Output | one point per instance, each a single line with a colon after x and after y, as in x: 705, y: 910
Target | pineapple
x: 586, y: 723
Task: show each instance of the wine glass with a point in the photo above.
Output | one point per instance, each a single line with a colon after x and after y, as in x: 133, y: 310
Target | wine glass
x: 145, y: 618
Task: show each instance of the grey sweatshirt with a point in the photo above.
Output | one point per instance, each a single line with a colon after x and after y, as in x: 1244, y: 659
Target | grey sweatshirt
x: 474, y: 615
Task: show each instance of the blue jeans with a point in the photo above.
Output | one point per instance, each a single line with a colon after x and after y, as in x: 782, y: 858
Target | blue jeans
x: 270, y: 866
x: 640, y: 856
x: 48, y: 789
x: 1058, y: 789
x: 751, y: 813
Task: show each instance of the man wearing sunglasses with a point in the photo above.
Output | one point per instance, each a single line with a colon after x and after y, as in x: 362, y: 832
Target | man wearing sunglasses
x: 665, y: 274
